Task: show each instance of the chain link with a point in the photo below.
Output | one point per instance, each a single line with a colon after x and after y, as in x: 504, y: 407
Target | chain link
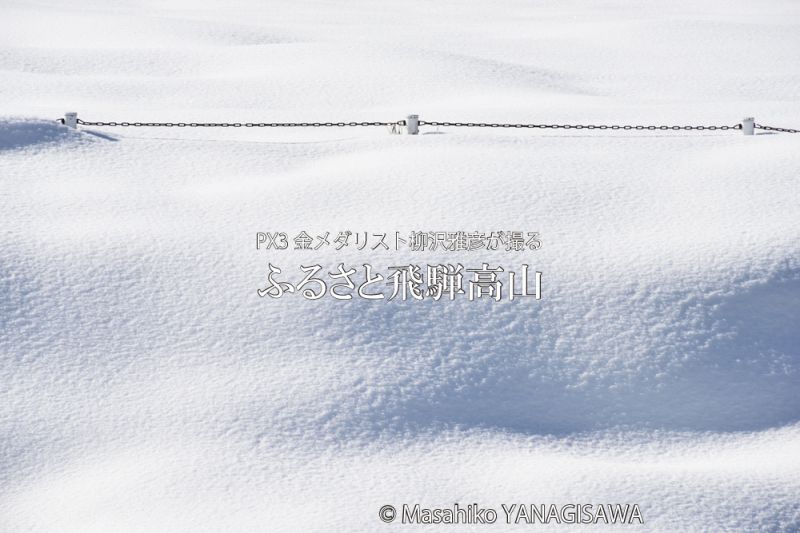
x: 637, y: 127
x: 775, y: 128
x: 572, y: 126
x: 239, y: 124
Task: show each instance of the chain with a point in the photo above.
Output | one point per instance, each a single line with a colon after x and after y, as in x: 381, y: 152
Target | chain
x: 774, y: 128
x: 637, y: 127
x: 572, y: 126
x: 239, y: 124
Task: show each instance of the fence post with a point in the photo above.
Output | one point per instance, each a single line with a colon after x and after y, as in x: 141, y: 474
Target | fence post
x: 748, y: 126
x: 412, y: 124
x: 71, y: 120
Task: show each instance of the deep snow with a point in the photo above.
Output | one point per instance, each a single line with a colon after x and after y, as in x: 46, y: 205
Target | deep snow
x: 146, y: 387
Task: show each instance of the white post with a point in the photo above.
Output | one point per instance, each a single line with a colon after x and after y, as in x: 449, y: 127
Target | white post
x: 412, y: 124
x: 748, y: 126
x: 71, y: 120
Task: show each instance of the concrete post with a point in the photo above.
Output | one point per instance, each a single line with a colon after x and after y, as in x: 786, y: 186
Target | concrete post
x: 71, y: 120
x: 412, y: 124
x: 748, y: 126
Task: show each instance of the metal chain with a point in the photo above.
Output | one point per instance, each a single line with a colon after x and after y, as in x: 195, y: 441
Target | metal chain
x: 239, y: 124
x: 424, y: 123
x: 572, y: 126
x: 775, y: 128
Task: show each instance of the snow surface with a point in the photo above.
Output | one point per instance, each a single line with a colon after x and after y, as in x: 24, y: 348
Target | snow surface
x: 144, y: 386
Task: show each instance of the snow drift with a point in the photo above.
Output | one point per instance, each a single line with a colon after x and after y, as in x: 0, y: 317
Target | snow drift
x: 146, y: 386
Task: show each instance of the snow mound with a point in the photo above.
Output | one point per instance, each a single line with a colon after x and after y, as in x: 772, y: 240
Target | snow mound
x: 145, y: 386
x: 21, y: 134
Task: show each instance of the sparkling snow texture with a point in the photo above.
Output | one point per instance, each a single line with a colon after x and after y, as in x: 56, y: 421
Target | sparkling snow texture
x: 144, y: 386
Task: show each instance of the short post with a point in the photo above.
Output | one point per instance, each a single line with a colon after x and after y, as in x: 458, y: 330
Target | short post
x: 412, y: 124
x: 749, y: 126
x: 71, y: 120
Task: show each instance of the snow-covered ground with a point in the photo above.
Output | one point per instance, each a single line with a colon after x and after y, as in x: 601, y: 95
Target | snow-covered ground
x: 145, y: 386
